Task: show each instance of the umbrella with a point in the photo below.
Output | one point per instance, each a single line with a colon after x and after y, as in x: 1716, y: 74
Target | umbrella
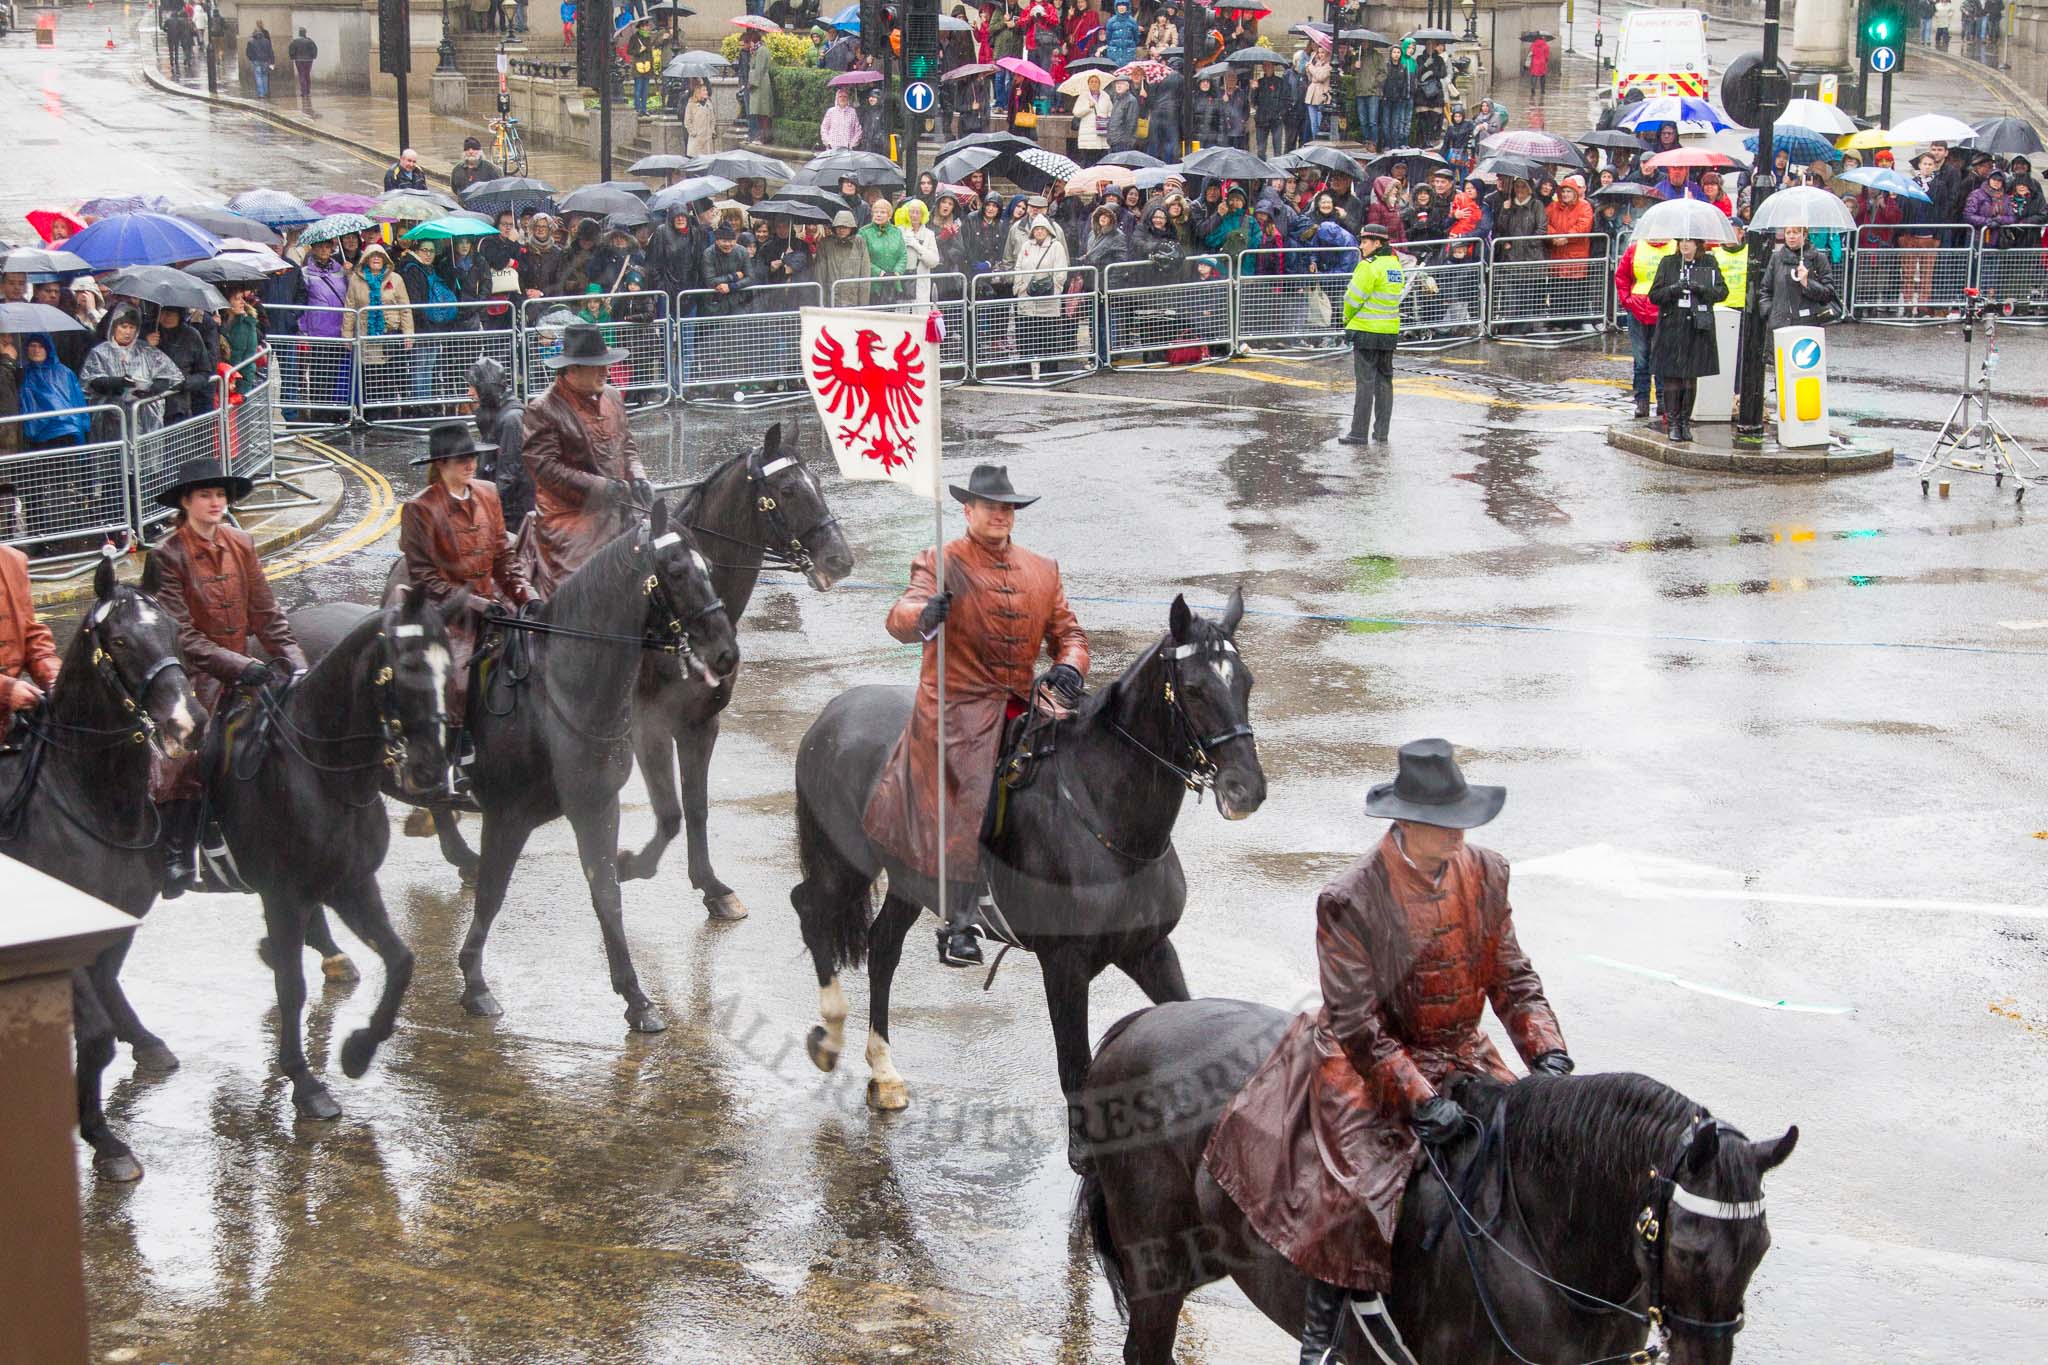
x: 1625, y: 189
x: 1865, y: 140
x: 221, y: 223
x: 1002, y: 142
x: 1533, y: 34
x: 669, y: 9
x: 1252, y: 56
x: 29, y: 318
x: 1152, y: 177
x: 1803, y: 206
x: 817, y: 197
x: 967, y: 161
x: 1615, y: 138
x: 1051, y: 165
x: 948, y: 24
x: 328, y: 204
x: 1244, y: 13
x: 632, y: 187
x: 1431, y: 35
x: 1932, y: 128
x: 1030, y: 71
x: 696, y: 65
x: 230, y: 268
x: 273, y: 208
x: 1134, y: 160
x: 1326, y: 157
x: 1729, y: 143
x: 757, y: 23
x: 661, y: 163
x: 970, y: 71
x: 164, y: 287
x: 1091, y: 64
x: 790, y: 209
x: 855, y: 78
x: 1078, y: 82
x: 1798, y: 144
x: 43, y: 220
x: 413, y: 206
x: 57, y: 261
x: 1676, y: 218
x: 1214, y: 72
x: 1311, y: 27
x: 1097, y: 178
x: 598, y: 200
x: 1420, y: 161
x: 686, y: 192
x: 112, y: 206
x: 1320, y: 39
x: 1364, y: 35
x: 1695, y: 157
x: 1548, y: 148
x: 1151, y: 71
x: 508, y: 192
x: 1999, y: 136
x: 1819, y: 116
x: 141, y: 239
x: 744, y: 165
x: 335, y: 226
x: 847, y: 20
x: 1517, y: 167
x: 1676, y: 109
x: 446, y: 229
x: 1229, y: 163
x: 849, y: 162
x: 1888, y: 180
x: 625, y: 220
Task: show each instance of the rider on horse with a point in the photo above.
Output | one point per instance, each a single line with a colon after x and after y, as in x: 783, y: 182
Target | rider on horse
x: 1001, y: 603
x: 1413, y: 941
x: 206, y: 574
x: 28, y: 654
x: 588, y: 482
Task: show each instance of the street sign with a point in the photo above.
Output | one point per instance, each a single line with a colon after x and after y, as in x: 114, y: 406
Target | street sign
x: 919, y: 97
x: 1883, y: 59
x: 1830, y: 89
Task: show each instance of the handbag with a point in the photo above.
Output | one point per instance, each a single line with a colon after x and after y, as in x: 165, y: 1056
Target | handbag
x: 1026, y: 118
x: 1039, y: 288
x: 1319, y: 311
x: 505, y: 280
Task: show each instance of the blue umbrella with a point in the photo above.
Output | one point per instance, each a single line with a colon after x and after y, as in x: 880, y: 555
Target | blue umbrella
x: 108, y: 206
x: 1886, y: 179
x: 142, y: 239
x: 847, y: 20
x: 273, y: 208
x: 1800, y: 144
x: 1676, y: 109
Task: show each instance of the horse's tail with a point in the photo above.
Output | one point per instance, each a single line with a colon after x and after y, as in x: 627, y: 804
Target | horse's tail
x: 1093, y: 1205
x: 832, y: 900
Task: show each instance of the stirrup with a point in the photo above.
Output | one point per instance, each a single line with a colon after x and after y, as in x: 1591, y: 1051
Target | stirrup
x: 1376, y: 1325
x: 949, y: 957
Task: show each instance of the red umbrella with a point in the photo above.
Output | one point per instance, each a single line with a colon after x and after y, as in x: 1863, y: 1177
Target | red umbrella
x: 1242, y: 13
x: 757, y: 22
x: 855, y: 78
x: 45, y: 220
x: 1030, y: 71
x: 1689, y: 156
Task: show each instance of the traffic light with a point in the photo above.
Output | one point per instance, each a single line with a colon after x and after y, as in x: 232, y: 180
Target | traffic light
x: 593, y: 42
x: 921, y: 40
x: 1884, y: 25
x: 394, y: 37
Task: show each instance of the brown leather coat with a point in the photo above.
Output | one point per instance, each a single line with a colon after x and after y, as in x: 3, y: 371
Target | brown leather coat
x: 450, y: 544
x: 1006, y: 606
x: 1317, y: 1148
x: 221, y: 600
x: 572, y: 446
x: 26, y: 647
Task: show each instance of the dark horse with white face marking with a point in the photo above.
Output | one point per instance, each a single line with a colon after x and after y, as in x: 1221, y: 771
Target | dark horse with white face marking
x: 1083, y: 869
x: 294, y: 782
x: 74, y: 803
x: 1587, y: 1210
x: 553, y: 725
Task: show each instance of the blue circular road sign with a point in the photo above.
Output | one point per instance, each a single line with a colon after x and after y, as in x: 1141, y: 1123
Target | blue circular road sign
x: 1883, y: 59
x: 919, y: 97
x: 1806, y: 354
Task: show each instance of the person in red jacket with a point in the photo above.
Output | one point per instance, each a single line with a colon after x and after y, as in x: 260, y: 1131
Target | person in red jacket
x: 1539, y: 63
x: 1634, y: 294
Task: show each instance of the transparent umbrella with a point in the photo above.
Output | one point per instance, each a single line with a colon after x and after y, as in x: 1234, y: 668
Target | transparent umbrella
x: 1806, y: 206
x: 1676, y: 218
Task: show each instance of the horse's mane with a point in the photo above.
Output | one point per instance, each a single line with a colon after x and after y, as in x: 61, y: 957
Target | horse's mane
x: 694, y: 494
x: 596, y: 577
x: 1199, y: 629
x: 1602, y: 1132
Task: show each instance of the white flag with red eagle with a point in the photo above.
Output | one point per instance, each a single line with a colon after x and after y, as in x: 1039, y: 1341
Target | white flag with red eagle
x: 875, y: 379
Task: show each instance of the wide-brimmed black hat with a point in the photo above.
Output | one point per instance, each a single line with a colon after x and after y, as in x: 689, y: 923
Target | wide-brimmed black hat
x: 990, y: 483
x: 451, y: 441
x: 204, y: 472
x: 1429, y: 790
x: 583, y: 344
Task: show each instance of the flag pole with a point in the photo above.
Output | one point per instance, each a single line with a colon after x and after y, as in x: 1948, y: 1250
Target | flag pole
x: 932, y: 321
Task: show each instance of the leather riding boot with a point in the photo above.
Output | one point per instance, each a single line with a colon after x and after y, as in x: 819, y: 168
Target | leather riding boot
x: 960, y: 936
x: 179, y: 833
x: 1321, y: 1319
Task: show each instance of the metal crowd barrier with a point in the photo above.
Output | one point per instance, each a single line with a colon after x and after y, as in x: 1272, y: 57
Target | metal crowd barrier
x: 316, y: 370
x: 947, y: 293
x: 425, y: 376
x: 1292, y: 300
x: 747, y: 353
x: 58, y: 502
x: 1171, y: 318
x: 1443, y: 295
x: 1033, y: 339
x: 635, y: 321
x: 249, y: 426
x: 2012, y: 267
x: 1912, y: 285
x: 1536, y: 297
x: 159, y: 453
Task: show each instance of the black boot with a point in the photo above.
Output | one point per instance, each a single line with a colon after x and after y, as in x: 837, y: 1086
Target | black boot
x: 1322, y: 1317
x: 179, y: 830
x: 1643, y: 407
x: 960, y: 936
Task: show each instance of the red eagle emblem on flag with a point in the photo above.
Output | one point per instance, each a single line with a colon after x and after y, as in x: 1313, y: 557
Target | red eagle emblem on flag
x: 878, y: 404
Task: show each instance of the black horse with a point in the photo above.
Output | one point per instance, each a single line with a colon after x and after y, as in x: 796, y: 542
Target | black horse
x: 1587, y: 1208
x: 294, y: 780
x: 761, y: 507
x: 1083, y: 868
x: 74, y: 803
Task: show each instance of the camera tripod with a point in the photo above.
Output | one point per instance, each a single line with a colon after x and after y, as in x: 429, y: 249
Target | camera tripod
x: 1981, y: 433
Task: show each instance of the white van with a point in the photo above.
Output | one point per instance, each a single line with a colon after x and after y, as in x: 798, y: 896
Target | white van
x: 1661, y: 52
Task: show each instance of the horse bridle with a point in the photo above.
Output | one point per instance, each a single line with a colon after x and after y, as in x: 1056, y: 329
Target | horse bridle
x: 674, y: 637
x: 390, y: 725
x: 1198, y: 769
x: 784, y: 549
x: 141, y: 726
x: 1653, y: 1225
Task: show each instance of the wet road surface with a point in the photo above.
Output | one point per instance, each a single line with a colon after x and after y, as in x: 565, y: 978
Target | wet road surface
x: 1775, y: 740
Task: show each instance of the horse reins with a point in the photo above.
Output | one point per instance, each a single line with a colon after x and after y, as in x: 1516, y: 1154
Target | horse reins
x: 785, y: 550
x: 1200, y: 771
x: 390, y: 725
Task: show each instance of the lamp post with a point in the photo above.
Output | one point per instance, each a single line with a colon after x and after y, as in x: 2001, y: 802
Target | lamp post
x: 1471, y: 8
x: 444, y: 51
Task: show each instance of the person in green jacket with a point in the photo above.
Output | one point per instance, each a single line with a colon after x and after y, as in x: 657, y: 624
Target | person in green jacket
x: 243, y: 332
x: 887, y: 253
x: 1372, y: 320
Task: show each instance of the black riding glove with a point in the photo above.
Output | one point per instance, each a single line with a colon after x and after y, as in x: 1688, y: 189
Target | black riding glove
x: 1438, y: 1119
x: 1064, y: 682
x: 616, y: 493
x: 643, y: 492
x: 934, y: 614
x: 258, y: 673
x: 1554, y: 1062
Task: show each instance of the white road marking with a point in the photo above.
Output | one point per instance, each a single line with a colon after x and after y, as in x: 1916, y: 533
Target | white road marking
x: 1718, y: 992
x: 2024, y: 625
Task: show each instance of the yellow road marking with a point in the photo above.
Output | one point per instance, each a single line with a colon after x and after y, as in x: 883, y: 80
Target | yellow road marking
x: 374, y: 524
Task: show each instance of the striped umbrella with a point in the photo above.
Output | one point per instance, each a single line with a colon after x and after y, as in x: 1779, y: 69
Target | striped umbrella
x: 336, y: 226
x: 1533, y: 143
x: 1677, y: 109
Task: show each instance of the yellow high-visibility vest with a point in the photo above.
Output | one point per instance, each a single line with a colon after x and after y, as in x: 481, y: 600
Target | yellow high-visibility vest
x: 1373, y: 302
x: 1647, y: 258
x: 1734, y: 262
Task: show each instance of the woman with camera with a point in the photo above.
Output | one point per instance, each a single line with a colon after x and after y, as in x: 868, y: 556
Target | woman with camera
x: 1687, y: 287
x: 1797, y: 288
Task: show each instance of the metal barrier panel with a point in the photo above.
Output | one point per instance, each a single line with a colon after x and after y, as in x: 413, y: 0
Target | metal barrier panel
x: 250, y: 425
x: 1021, y: 336
x: 1443, y: 294
x: 635, y: 321
x: 1913, y: 284
x: 750, y: 345
x: 316, y: 371
x: 1531, y: 287
x: 1170, y: 317
x: 948, y: 295
x: 424, y: 375
x: 158, y: 455
x: 54, y: 494
x: 1293, y: 298
x: 2012, y: 267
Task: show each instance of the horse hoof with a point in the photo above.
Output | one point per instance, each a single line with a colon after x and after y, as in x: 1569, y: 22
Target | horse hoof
x: 823, y: 1057
x: 726, y: 908
x: 483, y: 1005
x: 356, y: 1053
x: 337, y: 967
x: 120, y: 1168
x: 629, y: 867
x: 154, y: 1059
x: 888, y: 1096
x: 646, y: 1019
x: 315, y: 1103
x: 419, y: 823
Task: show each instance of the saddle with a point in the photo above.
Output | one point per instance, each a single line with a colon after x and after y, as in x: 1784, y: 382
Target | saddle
x: 1028, y: 739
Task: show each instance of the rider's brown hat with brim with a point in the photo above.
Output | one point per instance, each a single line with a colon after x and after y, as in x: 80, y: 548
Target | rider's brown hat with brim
x: 1430, y: 790
x: 583, y: 344
x: 203, y: 473
x: 451, y: 441
x: 990, y: 483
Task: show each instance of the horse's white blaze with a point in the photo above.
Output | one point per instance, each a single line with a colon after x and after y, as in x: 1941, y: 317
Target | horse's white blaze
x: 697, y: 558
x: 439, y: 664
x: 832, y: 1009
x: 881, y: 1065
x: 182, y: 722
x: 1226, y: 671
x: 147, y: 614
